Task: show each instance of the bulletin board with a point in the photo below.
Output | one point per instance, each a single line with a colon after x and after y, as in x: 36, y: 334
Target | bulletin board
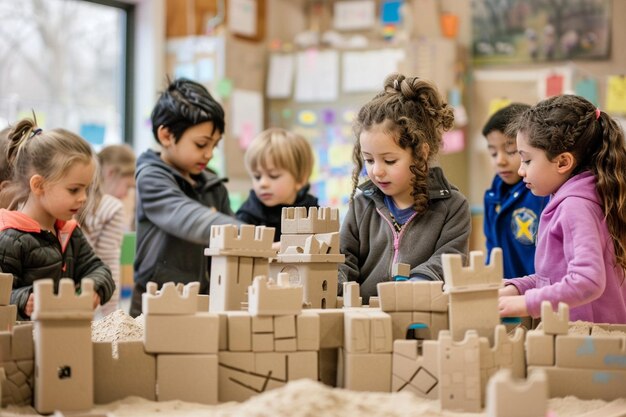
x: 328, y: 128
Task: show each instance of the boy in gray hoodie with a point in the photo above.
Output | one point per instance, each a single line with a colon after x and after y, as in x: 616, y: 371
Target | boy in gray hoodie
x: 178, y: 197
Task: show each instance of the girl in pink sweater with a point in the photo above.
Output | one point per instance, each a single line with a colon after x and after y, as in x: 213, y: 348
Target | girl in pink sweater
x: 574, y: 153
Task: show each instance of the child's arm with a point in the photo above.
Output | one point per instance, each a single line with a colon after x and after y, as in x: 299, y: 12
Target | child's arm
x: 11, y: 263
x: 453, y: 238
x: 585, y: 244
x: 170, y: 209
x: 88, y: 265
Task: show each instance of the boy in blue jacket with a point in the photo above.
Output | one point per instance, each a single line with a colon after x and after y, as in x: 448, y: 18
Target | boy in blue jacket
x: 511, y: 211
x: 178, y: 197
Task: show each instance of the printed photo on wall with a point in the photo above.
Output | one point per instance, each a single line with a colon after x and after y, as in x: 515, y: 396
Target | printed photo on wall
x: 521, y: 31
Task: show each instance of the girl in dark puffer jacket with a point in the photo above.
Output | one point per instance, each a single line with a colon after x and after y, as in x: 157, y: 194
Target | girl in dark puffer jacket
x: 39, y: 238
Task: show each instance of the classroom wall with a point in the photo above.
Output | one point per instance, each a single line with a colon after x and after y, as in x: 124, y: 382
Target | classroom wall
x: 520, y: 86
x: 246, y: 65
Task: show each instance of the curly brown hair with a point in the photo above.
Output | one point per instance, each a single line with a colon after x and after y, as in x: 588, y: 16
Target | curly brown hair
x: 569, y: 123
x: 412, y: 110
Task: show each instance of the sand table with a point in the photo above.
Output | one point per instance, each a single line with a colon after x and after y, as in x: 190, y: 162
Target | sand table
x: 302, y: 398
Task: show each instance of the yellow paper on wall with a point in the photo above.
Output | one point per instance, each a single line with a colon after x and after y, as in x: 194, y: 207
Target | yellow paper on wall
x: 616, y: 94
x: 497, y: 104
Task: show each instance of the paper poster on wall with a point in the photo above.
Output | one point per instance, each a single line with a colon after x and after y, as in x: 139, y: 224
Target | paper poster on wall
x: 317, y: 76
x: 242, y: 17
x: 587, y: 88
x: 554, y: 81
x: 616, y: 94
x: 354, y: 15
x: 497, y: 104
x: 522, y: 31
x: 554, y: 85
x: 366, y: 71
x: 247, y: 115
x: 280, y: 75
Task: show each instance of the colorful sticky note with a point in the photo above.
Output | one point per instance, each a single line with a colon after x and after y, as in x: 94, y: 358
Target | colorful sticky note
x: 554, y: 85
x: 616, y: 94
x: 224, y: 87
x: 390, y: 12
x: 307, y: 117
x: 453, y: 141
x: 93, y: 133
x: 587, y: 88
x: 497, y: 104
x: 328, y: 116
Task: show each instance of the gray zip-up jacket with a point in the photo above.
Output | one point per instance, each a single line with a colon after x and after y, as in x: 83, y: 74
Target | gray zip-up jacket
x: 372, y: 245
x: 174, y: 222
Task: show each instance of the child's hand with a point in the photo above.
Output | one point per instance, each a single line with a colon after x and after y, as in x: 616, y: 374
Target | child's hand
x: 508, y: 290
x: 30, y: 305
x: 512, y: 306
x: 96, y: 300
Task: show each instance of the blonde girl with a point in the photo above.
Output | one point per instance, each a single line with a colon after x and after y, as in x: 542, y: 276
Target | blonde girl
x: 52, y: 171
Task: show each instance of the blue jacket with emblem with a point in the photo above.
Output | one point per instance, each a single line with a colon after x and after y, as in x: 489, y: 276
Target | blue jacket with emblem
x: 511, y: 221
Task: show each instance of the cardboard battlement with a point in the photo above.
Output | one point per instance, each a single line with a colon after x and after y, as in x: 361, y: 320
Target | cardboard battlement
x: 17, y: 344
x: 296, y: 220
x: 554, y: 322
x: 269, y: 297
x: 171, y: 299
x: 67, y: 304
x: 245, y: 240
x: 475, y: 277
x: 514, y: 397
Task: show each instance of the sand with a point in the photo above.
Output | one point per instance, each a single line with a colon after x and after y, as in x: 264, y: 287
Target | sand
x: 306, y: 398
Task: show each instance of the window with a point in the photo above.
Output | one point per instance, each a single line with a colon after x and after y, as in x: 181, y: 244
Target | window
x: 68, y: 62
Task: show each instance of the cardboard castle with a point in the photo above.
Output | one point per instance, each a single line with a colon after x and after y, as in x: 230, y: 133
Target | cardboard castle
x: 275, y: 317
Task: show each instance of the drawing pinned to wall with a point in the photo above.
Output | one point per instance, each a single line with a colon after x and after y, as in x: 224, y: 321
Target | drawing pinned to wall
x: 242, y: 18
x: 587, y: 88
x: 616, y: 94
x: 247, y: 115
x: 554, y: 85
x: 354, y: 15
x: 518, y: 31
x: 317, y: 76
x: 555, y: 81
x: 280, y: 76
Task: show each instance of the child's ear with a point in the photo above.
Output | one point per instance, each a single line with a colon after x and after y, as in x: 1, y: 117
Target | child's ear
x: 166, y: 137
x: 565, y: 162
x: 36, y: 184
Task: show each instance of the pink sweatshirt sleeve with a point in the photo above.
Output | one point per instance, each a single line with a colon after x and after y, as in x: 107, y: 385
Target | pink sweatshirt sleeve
x: 584, y: 239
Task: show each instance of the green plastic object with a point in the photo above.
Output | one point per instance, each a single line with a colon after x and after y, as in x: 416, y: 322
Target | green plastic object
x: 128, y: 248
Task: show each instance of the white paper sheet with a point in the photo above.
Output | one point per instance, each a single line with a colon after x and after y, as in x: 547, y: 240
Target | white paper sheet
x: 366, y: 71
x: 247, y: 115
x: 317, y: 78
x: 280, y: 75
